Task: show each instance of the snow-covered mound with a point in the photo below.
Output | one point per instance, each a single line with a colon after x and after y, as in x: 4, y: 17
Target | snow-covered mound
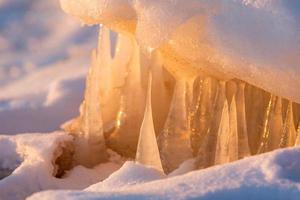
x: 273, y: 176
x: 129, y: 174
x: 31, y: 159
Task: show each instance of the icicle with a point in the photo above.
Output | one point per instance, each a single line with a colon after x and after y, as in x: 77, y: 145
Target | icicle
x: 227, y: 149
x: 234, y: 144
x: 161, y: 99
x: 100, y: 74
x: 104, y: 46
x: 222, y: 146
x: 174, y: 141
x: 147, y: 150
x: 243, y: 144
x: 201, y: 116
x: 124, y: 138
x: 91, y: 145
x: 256, y: 104
x: 231, y: 88
x: 276, y: 126
x: 119, y: 65
x: 297, y: 143
x: 105, y: 76
x: 289, y: 130
x: 272, y: 131
x: 123, y: 54
x: 194, y: 115
x: 207, y: 150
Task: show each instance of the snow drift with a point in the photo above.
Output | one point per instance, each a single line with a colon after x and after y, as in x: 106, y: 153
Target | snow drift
x: 270, y: 176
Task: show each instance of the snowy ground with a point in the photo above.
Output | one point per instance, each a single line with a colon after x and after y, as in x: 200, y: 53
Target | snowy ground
x: 31, y: 156
x: 273, y: 176
x: 44, y: 57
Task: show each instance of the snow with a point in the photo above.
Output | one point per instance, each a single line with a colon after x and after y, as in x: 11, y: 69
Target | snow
x: 129, y: 174
x: 232, y: 39
x: 31, y: 158
x: 268, y: 176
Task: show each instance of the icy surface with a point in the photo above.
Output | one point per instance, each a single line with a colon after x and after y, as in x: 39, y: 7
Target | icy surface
x: 269, y: 176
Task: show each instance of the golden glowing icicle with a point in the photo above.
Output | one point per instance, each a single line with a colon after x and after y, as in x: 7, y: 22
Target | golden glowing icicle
x: 91, y: 145
x: 231, y: 89
x: 194, y: 115
x: 272, y: 131
x: 289, y: 130
x: 276, y: 126
x: 243, y: 144
x: 222, y: 146
x: 207, y: 150
x: 233, y: 140
x: 123, y: 54
x: 256, y: 103
x: 161, y: 98
x: 104, y: 60
x: 124, y: 138
x: 227, y: 149
x: 147, y: 150
x: 297, y: 143
x: 201, y: 117
x: 102, y: 77
x: 119, y: 68
x: 174, y: 141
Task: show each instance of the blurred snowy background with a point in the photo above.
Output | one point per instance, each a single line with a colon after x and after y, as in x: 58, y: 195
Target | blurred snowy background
x: 44, y: 56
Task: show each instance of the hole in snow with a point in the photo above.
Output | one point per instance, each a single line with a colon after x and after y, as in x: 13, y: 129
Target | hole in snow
x: 63, y: 161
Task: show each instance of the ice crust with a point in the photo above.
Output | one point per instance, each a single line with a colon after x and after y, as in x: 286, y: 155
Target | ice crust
x: 255, y: 41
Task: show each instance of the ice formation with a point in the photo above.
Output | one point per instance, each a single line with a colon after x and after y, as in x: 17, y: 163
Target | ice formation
x: 147, y: 150
x: 214, y: 64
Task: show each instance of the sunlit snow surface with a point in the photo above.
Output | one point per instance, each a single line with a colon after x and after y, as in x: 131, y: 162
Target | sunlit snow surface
x: 257, y: 41
x: 31, y: 156
x: 270, y: 176
x: 44, y: 57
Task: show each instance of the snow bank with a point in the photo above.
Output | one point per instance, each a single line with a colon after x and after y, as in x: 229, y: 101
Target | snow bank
x: 32, y: 157
x: 129, y: 174
x: 255, y: 41
x: 273, y: 176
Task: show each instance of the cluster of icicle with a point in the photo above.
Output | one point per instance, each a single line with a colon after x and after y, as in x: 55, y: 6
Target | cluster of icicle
x: 135, y: 107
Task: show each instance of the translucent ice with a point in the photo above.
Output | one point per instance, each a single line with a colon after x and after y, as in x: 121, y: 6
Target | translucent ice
x: 176, y: 131
x: 124, y: 138
x: 147, y: 150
